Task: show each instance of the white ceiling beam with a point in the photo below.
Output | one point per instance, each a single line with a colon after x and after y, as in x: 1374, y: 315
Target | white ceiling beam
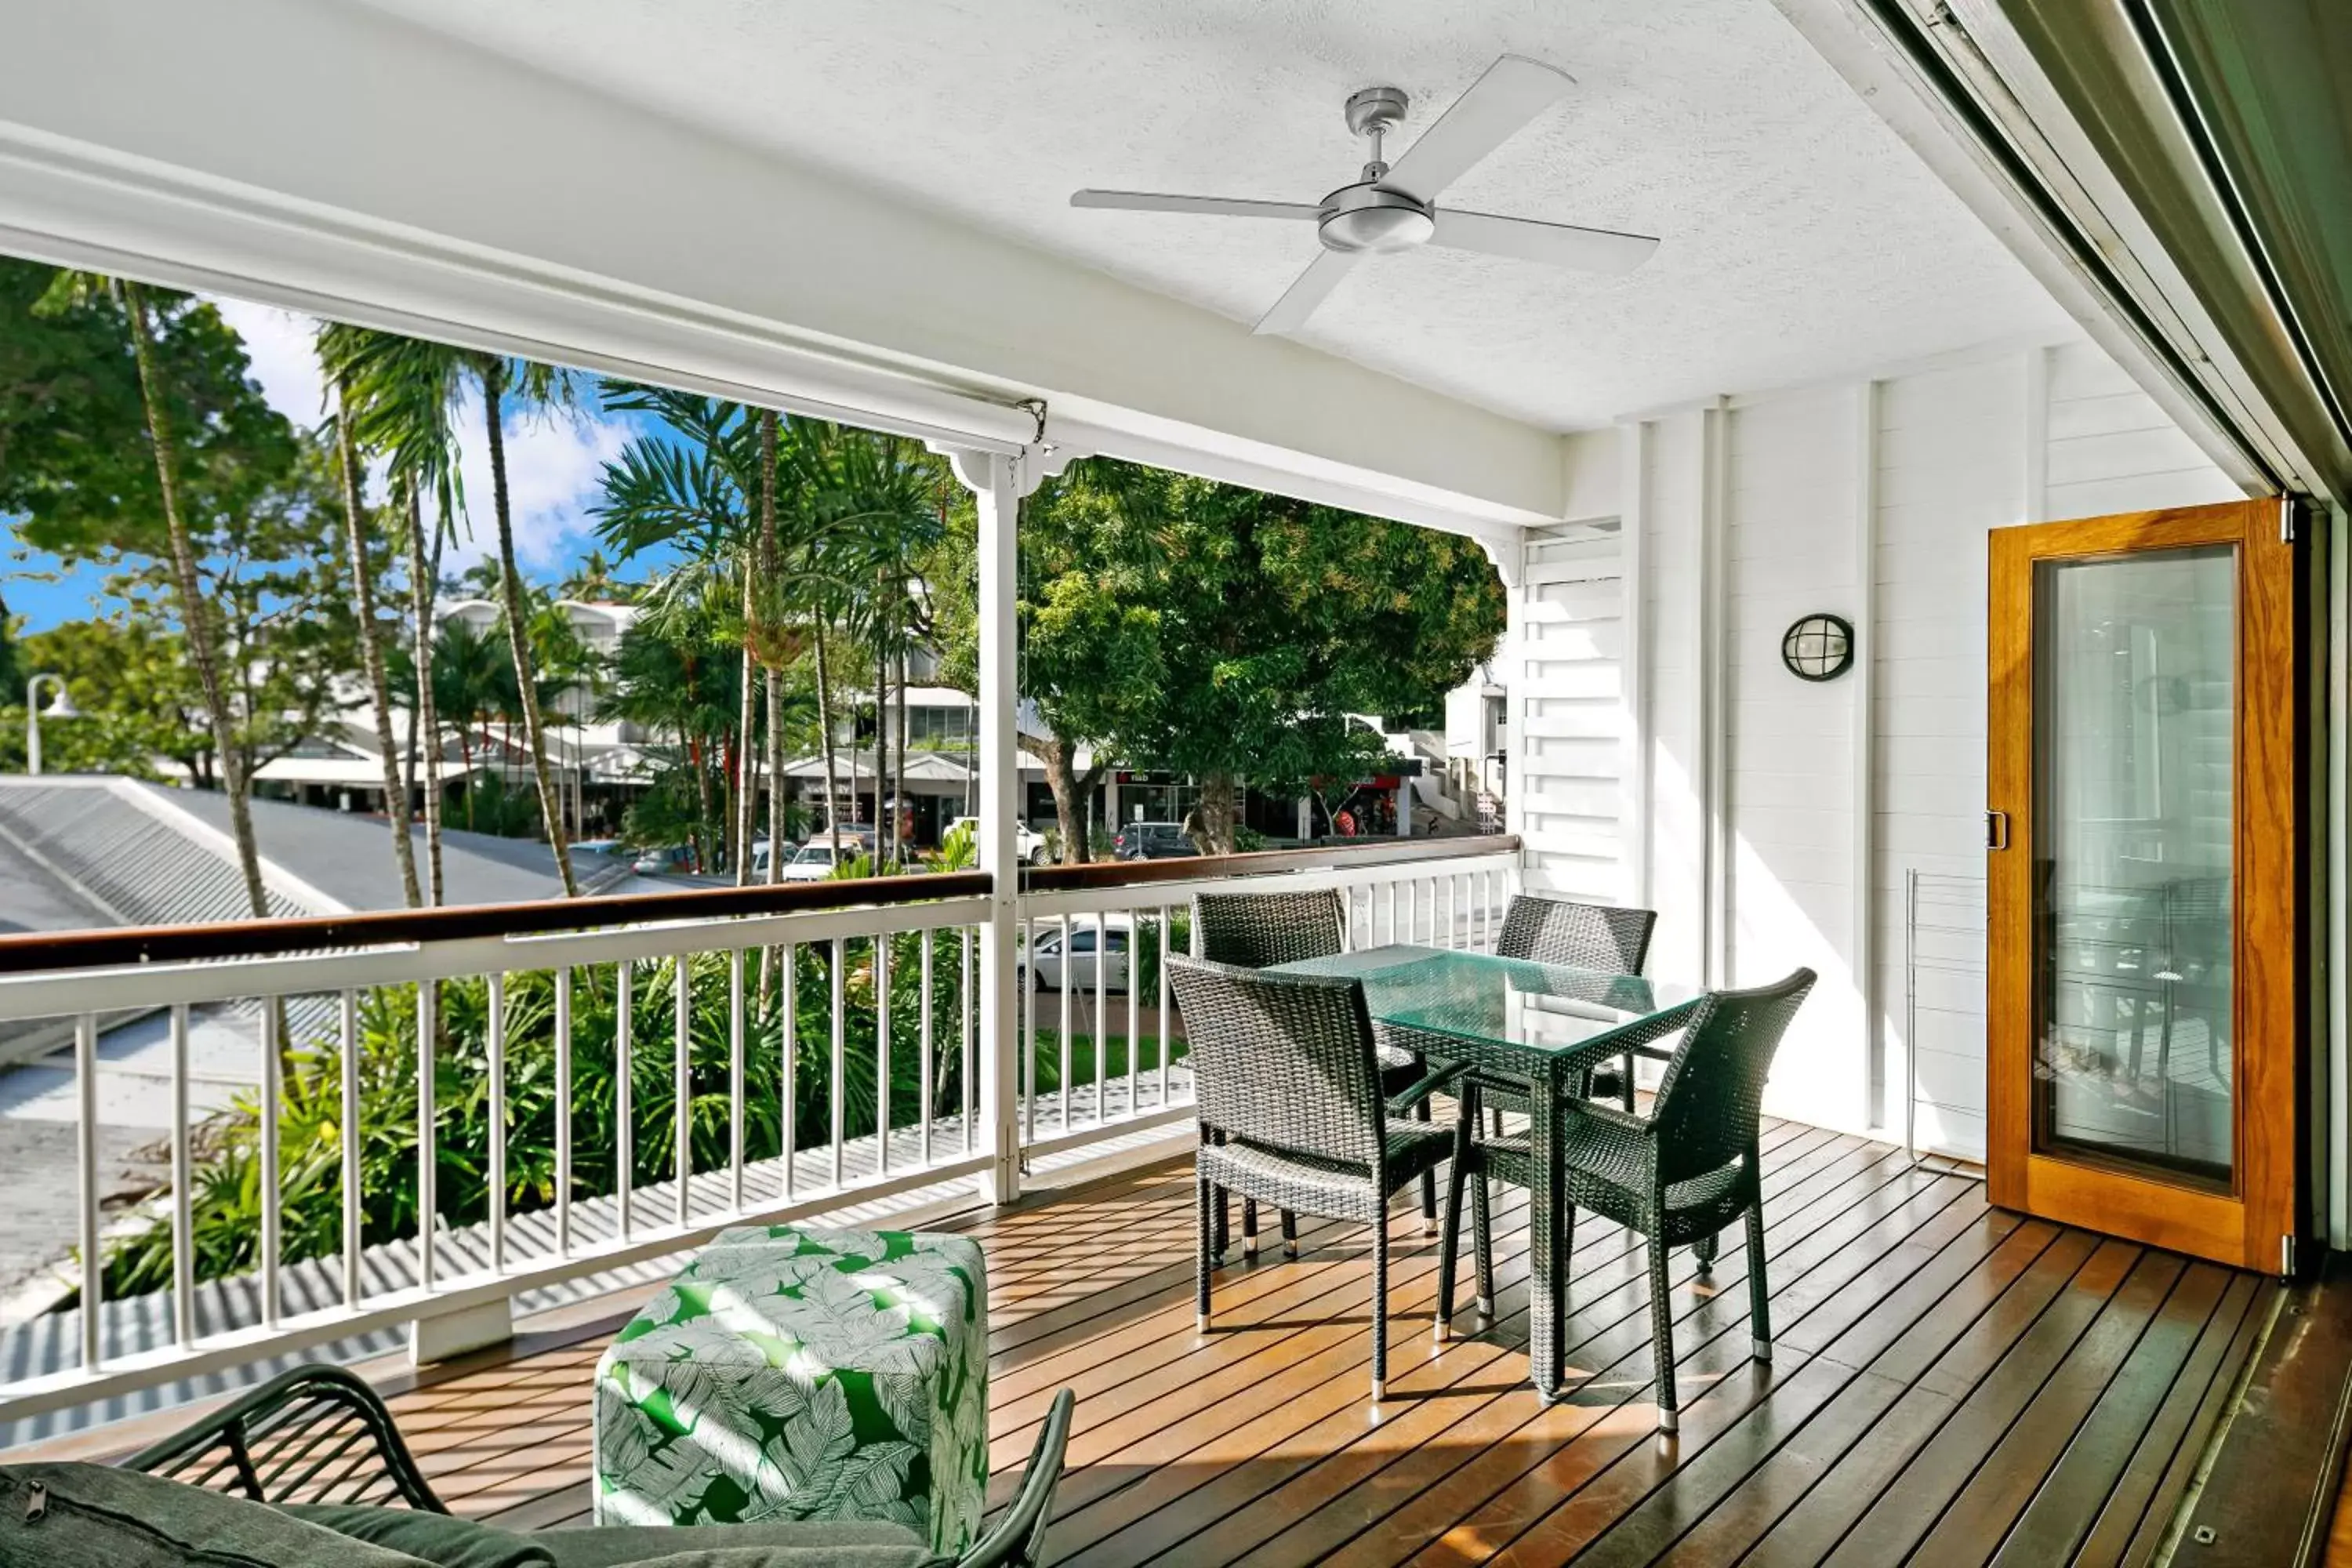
x: 321, y: 156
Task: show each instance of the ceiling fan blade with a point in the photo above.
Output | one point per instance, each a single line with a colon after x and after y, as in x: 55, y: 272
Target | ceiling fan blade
x: 1513, y: 91
x: 1559, y: 244
x: 1206, y: 207
x: 1311, y: 289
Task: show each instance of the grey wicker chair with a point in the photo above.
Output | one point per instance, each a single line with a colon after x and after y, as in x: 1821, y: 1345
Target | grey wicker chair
x: 1252, y: 931
x: 1678, y: 1175
x: 1600, y: 937
x: 1284, y: 1067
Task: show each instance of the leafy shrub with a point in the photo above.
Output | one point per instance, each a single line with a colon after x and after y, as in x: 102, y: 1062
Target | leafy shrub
x: 225, y: 1177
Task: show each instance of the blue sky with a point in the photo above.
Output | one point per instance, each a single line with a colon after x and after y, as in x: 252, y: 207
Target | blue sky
x: 552, y: 466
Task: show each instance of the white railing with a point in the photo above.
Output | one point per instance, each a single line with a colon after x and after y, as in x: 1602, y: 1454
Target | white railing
x: 617, y: 1092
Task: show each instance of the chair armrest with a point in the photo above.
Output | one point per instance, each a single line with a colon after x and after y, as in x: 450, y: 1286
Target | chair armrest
x: 1635, y: 1038
x: 1434, y: 1080
x: 1599, y: 1110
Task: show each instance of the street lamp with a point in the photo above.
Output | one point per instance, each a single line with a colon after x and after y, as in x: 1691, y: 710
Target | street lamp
x: 60, y: 706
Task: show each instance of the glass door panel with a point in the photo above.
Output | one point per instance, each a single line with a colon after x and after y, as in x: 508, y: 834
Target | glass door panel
x: 2135, y: 714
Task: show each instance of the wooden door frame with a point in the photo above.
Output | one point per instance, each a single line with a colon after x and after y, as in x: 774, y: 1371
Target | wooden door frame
x: 2245, y: 1225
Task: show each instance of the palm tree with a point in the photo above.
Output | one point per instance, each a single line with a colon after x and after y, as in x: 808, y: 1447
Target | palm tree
x: 711, y: 488
x: 465, y: 676
x: 528, y: 384
x: 371, y: 630
x: 398, y: 394
x: 195, y: 609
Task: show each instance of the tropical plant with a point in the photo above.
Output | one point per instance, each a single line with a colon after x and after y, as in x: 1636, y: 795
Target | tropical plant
x: 225, y: 1186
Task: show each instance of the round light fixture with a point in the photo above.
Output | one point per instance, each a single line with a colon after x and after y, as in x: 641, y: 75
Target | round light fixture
x: 1366, y: 218
x: 1818, y: 647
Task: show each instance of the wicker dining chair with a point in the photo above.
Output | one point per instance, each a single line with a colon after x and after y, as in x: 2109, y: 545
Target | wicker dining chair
x: 1678, y: 1175
x: 1252, y: 931
x: 1284, y: 1067
x: 1604, y: 938
x: 315, y: 1435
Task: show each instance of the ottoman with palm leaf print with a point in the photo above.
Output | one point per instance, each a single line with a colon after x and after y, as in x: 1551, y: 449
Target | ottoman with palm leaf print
x: 793, y: 1372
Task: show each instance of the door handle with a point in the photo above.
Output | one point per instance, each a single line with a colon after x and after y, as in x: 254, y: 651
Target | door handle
x: 1996, y: 830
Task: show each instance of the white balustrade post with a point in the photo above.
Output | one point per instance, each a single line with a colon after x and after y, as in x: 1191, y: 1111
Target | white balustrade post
x: 996, y: 480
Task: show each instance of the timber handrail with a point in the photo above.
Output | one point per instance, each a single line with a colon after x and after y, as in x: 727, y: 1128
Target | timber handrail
x: 43, y: 952
x: 1207, y: 868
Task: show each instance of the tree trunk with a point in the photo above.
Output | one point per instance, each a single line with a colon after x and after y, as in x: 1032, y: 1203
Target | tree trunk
x: 396, y: 788
x: 747, y: 771
x: 884, y: 838
x: 767, y: 567
x: 194, y: 611
x: 1061, y: 778
x: 1220, y: 798
x: 551, y: 808
x: 824, y: 722
x: 899, y: 784
x: 426, y: 716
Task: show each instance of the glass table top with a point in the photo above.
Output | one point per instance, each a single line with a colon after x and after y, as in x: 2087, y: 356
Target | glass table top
x: 1507, y: 1001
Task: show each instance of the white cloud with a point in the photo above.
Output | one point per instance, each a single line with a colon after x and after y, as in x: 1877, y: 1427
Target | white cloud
x: 278, y: 343
x: 556, y: 463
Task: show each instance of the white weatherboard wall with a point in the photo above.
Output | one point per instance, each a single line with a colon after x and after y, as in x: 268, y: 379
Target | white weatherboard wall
x: 1771, y: 821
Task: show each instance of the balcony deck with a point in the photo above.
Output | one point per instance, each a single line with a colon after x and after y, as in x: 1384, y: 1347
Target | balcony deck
x: 1954, y: 1384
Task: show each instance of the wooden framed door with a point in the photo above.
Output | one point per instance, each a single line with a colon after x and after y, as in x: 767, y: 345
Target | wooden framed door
x: 2144, y: 953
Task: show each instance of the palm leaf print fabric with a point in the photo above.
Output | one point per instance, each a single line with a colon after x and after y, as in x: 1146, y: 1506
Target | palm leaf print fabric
x: 791, y: 1372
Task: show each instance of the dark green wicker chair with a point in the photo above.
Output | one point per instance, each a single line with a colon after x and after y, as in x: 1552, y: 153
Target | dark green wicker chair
x: 1285, y: 1068
x: 1251, y: 931
x: 1603, y: 938
x: 1678, y: 1175
x: 316, y: 1434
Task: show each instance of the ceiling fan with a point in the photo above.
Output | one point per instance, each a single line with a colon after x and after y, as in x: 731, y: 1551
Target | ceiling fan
x: 1394, y: 208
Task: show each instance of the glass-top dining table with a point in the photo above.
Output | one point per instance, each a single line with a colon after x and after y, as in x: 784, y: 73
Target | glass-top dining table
x: 1541, y: 1028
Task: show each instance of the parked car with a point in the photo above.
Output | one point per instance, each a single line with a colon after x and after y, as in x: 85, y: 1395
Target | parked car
x: 1088, y: 947
x: 814, y: 860
x: 1028, y: 844
x: 669, y: 860
x: 1154, y: 841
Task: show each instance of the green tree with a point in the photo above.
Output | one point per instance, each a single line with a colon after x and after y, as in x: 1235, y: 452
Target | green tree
x: 1280, y: 619
x: 1089, y: 633
x: 132, y: 430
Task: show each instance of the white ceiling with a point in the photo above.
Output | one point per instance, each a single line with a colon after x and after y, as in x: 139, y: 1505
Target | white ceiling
x: 1801, y: 239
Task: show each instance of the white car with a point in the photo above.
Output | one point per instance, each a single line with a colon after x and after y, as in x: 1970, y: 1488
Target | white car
x: 1028, y: 844
x: 1076, y: 968
x: 814, y: 860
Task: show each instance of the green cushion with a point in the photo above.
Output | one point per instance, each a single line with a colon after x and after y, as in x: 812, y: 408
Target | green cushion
x: 97, y: 1516
x: 436, y: 1538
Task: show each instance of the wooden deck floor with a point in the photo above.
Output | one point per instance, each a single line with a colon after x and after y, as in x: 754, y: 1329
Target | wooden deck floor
x: 1953, y: 1384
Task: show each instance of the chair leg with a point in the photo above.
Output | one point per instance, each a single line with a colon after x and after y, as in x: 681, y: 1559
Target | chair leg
x: 1204, y: 1263
x: 1379, y: 1307
x: 1625, y: 1080
x: 1483, y: 1244
x: 1662, y: 1336
x: 1759, y: 1293
x: 1289, y: 1234
x: 1428, y: 1180
x: 1705, y: 1249
x: 1249, y: 1227
x: 1221, y: 1231
x: 1450, y: 1235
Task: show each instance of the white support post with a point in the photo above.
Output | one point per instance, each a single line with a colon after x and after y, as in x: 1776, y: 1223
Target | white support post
x: 996, y: 480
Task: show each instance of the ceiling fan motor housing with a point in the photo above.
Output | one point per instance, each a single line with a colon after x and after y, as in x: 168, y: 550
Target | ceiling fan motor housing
x: 1368, y: 217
